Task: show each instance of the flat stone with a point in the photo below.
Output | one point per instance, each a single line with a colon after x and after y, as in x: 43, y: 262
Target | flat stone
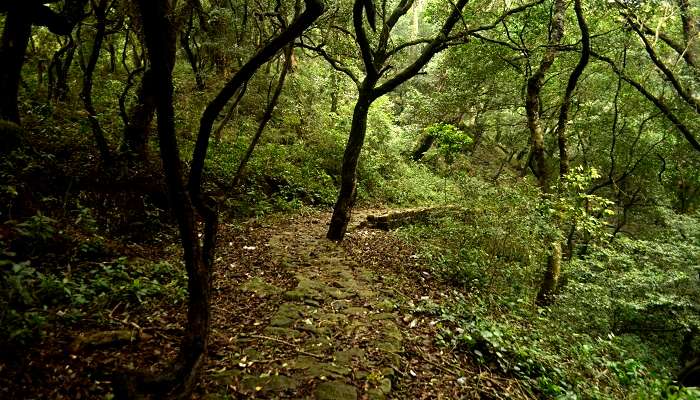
x: 335, y: 391
x: 331, y: 318
x: 389, y: 346
x: 327, y: 370
x: 252, y: 354
x: 338, y: 294
x: 273, y: 383
x: 282, y: 332
x: 312, y: 303
x: 258, y: 286
x: 381, y: 316
x: 384, y: 305
x: 355, y: 311
x: 294, y: 295
x: 226, y: 377
x: 313, y: 329
x: 390, y: 330
x: 346, y: 357
x: 286, y: 315
x: 375, y: 394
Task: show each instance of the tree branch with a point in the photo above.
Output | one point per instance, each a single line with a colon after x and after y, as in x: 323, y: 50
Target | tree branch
x: 435, y: 46
x: 362, y: 40
x: 335, y: 63
x: 655, y: 100
x: 667, y: 72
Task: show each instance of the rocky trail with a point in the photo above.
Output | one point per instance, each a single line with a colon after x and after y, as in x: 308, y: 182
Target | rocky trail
x: 298, y: 316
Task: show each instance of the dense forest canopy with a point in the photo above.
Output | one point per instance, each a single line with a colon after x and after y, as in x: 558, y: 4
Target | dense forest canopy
x: 182, y: 183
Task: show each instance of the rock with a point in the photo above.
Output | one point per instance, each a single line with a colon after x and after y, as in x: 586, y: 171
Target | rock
x: 282, y: 332
x: 347, y: 356
x: 262, y: 384
x: 286, y: 315
x: 335, y: 391
x: 375, y: 394
x: 355, y: 311
x: 384, y: 305
x: 258, y: 286
x: 381, y: 316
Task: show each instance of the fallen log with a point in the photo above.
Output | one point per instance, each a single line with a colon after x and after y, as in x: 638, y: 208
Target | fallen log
x: 397, y: 218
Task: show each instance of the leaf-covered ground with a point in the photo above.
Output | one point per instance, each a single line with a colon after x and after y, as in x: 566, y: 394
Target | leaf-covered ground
x: 294, y: 316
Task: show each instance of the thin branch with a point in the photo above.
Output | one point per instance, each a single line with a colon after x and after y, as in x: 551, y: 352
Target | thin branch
x: 668, y: 113
x: 687, y: 97
x: 335, y: 63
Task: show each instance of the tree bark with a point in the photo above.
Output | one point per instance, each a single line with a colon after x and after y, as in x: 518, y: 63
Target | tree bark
x: 314, y: 8
x: 545, y: 296
x: 570, y: 87
x: 191, y: 58
x: 59, y: 69
x: 158, y: 29
x: 534, y: 87
x: 100, y: 10
x: 348, y: 176
x: 136, y: 132
x: 267, y: 116
x: 368, y: 91
x: 19, y: 18
x: 15, y: 38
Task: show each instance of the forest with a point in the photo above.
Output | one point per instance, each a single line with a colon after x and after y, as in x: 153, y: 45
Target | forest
x: 350, y: 199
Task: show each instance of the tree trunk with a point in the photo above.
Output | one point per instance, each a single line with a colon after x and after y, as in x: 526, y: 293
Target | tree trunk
x: 425, y: 144
x: 58, y: 71
x: 534, y: 87
x: 267, y: 116
x: 191, y: 58
x: 158, y: 29
x: 15, y: 38
x: 545, y: 296
x: 348, y: 181
x: 100, y: 10
x: 140, y: 118
x: 570, y: 87
x: 691, y: 29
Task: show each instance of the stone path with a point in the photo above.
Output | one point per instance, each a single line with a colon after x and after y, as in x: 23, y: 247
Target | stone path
x: 338, y: 326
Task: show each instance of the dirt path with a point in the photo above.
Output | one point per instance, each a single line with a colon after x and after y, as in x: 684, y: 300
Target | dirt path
x: 322, y: 320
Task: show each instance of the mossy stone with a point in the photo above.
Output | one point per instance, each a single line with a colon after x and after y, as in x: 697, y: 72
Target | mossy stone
x: 335, y: 391
x: 273, y: 383
x: 258, y: 286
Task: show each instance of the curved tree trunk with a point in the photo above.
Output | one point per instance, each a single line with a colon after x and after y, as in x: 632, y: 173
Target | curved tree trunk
x: 19, y: 18
x: 348, y: 178
x: 267, y: 116
x: 100, y: 10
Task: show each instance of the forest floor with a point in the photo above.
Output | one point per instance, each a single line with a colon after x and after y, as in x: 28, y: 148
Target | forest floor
x: 298, y: 316
x: 294, y: 316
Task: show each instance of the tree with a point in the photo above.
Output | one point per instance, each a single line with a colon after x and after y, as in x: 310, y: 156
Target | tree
x: 188, y: 202
x: 19, y: 19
